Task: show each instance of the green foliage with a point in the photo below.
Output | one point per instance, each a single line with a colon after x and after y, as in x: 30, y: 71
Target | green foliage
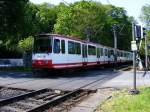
x: 145, y: 17
x: 39, y: 18
x: 84, y: 19
x: 11, y: 17
x: 123, y: 102
x: 19, y: 19
x: 92, y: 20
x: 26, y: 45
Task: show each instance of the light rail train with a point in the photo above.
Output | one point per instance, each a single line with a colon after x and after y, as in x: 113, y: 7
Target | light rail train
x: 54, y: 51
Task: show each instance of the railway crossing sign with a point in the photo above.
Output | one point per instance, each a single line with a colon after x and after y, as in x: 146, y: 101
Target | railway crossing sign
x: 133, y: 46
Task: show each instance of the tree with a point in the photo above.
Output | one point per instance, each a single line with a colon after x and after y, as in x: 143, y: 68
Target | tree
x: 26, y: 45
x: 145, y: 17
x: 11, y: 16
x: 85, y: 19
x: 93, y: 21
x: 11, y: 19
x: 20, y: 19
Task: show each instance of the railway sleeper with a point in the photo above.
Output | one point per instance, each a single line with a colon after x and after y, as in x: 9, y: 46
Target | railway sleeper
x: 10, y: 109
x: 43, y: 99
x: 50, y: 97
x: 43, y: 95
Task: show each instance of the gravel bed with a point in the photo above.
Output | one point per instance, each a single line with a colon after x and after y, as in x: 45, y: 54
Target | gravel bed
x: 9, y: 92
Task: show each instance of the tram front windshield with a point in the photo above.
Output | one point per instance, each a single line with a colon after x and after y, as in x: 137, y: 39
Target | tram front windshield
x: 43, y: 45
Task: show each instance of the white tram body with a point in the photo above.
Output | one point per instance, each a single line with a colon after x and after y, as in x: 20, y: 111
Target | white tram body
x: 55, y: 51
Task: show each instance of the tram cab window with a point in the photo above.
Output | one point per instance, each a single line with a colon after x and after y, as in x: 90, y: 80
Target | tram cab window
x: 42, y: 45
x: 63, y: 46
x: 56, y: 46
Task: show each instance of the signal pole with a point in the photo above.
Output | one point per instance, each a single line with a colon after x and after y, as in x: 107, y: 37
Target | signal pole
x: 134, y: 49
x: 115, y: 42
x: 146, y: 53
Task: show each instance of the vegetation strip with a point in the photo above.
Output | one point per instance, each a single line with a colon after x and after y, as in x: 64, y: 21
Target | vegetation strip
x: 16, y: 69
x: 121, y: 101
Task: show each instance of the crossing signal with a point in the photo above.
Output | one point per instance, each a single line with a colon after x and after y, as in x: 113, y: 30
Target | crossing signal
x: 137, y: 31
x: 144, y: 32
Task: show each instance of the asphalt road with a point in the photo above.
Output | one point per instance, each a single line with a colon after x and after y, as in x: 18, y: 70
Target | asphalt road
x: 67, y: 81
x: 71, y: 81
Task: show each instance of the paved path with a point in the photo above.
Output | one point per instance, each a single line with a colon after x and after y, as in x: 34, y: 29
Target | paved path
x: 123, y: 80
x: 126, y: 80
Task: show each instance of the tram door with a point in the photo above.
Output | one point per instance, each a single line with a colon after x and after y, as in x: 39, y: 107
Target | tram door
x: 84, y: 54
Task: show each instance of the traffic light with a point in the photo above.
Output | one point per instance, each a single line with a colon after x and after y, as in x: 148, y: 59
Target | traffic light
x: 144, y: 32
x: 137, y: 31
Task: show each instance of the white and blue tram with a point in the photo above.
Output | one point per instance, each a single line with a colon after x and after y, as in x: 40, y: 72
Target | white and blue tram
x: 54, y: 51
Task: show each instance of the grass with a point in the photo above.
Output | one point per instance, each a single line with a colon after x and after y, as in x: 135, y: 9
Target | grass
x: 123, y: 102
x: 16, y: 69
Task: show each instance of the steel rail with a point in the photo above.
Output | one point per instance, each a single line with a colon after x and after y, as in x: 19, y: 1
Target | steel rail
x: 58, y: 100
x: 51, y: 103
x: 20, y: 97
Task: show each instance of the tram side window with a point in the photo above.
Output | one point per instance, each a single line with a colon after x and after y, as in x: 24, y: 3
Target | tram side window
x: 91, y: 50
x: 102, y: 52
x: 121, y: 54
x: 78, y: 48
x: 71, y: 47
x: 124, y: 54
x: 56, y: 46
x: 63, y: 46
x: 98, y: 52
x: 112, y: 52
x: 106, y: 52
x: 74, y: 47
x: 118, y: 53
x: 109, y: 53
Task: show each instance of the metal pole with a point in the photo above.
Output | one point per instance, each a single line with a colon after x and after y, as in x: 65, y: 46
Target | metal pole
x: 115, y: 44
x: 146, y: 63
x: 134, y: 59
x: 134, y: 90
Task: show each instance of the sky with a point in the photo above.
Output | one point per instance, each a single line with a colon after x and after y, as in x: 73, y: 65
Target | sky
x: 133, y: 7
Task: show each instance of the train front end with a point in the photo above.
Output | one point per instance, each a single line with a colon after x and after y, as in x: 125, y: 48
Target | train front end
x: 41, y: 57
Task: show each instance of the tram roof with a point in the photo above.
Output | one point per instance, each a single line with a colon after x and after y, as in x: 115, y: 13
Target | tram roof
x: 76, y: 39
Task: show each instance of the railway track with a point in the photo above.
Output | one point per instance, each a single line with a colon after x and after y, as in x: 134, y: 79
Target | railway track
x: 43, y: 100
x: 46, y: 100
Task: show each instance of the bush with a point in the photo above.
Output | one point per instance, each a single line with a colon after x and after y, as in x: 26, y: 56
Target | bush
x: 26, y: 45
